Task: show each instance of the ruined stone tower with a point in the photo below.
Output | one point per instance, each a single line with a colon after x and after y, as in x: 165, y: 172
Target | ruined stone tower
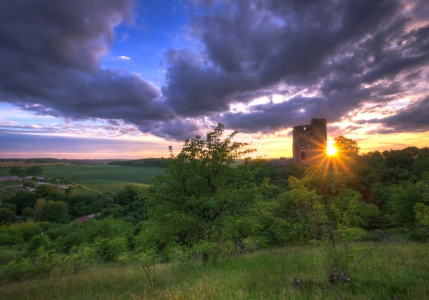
x: 309, y: 141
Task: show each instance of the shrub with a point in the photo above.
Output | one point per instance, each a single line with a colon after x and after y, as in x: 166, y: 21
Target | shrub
x: 80, y: 258
x: 110, y: 249
x: 16, y: 270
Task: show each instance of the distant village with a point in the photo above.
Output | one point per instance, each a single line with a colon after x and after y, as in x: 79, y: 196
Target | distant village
x: 38, y: 181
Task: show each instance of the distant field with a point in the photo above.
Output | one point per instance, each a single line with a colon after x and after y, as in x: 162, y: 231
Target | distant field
x: 102, y: 178
x: 9, y: 164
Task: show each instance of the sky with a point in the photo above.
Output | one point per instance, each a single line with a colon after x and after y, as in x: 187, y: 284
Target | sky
x: 126, y: 79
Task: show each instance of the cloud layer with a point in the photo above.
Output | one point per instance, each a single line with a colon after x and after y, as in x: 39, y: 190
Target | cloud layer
x: 323, y: 58
x: 50, y: 59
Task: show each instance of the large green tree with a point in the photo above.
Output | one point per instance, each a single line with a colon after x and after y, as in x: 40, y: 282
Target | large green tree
x: 195, y: 204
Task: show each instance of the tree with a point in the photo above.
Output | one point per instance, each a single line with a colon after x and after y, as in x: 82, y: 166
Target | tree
x: 51, y: 211
x: 403, y: 199
x: 202, y: 167
x: 39, y: 208
x: 20, y: 172
x: 199, y: 196
x: 16, y: 171
x: 30, y: 183
x: 22, y: 199
x: 346, y: 147
x: 55, y: 211
x: 70, y: 191
x: 33, y: 171
x: 45, y: 191
x: 28, y: 213
x: 5, y: 215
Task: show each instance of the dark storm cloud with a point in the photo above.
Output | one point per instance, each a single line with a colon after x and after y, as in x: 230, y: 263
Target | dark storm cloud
x: 333, y: 48
x: 326, y: 57
x: 176, y: 130
x: 413, y: 118
x: 49, y: 56
x: 273, y: 117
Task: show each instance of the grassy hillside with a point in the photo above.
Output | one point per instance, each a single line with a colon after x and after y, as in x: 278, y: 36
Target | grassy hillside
x: 396, y: 271
x: 102, y: 178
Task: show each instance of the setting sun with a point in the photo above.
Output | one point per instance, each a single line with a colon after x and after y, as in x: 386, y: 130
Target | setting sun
x: 331, y: 150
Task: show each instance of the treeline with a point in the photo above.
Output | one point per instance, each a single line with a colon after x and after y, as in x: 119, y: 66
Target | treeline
x: 203, y: 209
x: 57, y: 161
x: 21, y: 172
x: 145, y: 162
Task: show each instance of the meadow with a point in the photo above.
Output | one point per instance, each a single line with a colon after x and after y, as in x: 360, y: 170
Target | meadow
x: 396, y: 271
x: 101, y: 178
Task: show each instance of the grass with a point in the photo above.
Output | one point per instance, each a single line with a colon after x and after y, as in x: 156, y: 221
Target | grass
x: 7, y: 254
x: 396, y: 271
x: 101, y: 178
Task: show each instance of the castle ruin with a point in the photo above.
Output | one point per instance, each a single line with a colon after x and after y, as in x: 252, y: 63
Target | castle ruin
x: 309, y: 141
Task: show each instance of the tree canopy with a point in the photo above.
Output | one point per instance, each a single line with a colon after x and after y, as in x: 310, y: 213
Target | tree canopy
x: 201, y: 194
x: 346, y: 147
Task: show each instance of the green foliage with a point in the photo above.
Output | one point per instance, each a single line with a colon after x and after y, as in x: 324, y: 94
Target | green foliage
x: 16, y: 270
x: 347, y: 148
x: 145, y: 162
x: 127, y: 196
x: 422, y: 216
x: 66, y: 236
x: 10, y: 235
x: 82, y: 205
x: 46, y: 191
x: 108, y: 249
x: 16, y: 171
x: 28, y: 213
x: 338, y: 251
x: 80, y: 258
x: 51, y: 211
x: 55, y: 211
x: 6, y: 215
x: 70, y: 191
x: 401, y: 159
x: 106, y: 228
x: 22, y: 199
x: 45, y: 262
x: 27, y: 230
x: 38, y: 241
x: 200, y: 194
x: 21, y: 172
x: 403, y: 199
x: 33, y: 171
x: 29, y: 183
x: 145, y: 261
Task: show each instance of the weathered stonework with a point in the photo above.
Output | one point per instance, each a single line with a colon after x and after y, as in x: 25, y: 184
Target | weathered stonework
x: 309, y: 141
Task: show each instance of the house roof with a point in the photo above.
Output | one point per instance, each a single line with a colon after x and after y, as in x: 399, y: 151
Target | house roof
x: 86, y: 218
x: 82, y: 219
